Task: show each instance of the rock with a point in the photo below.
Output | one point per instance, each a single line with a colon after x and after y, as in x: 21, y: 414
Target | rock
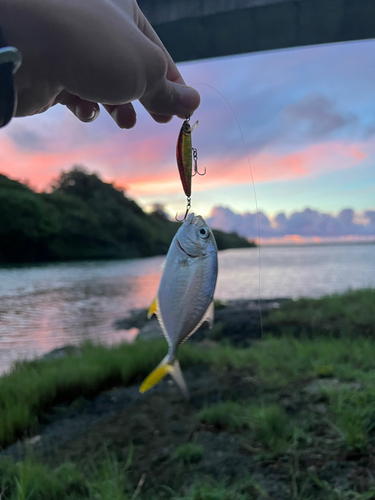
x: 236, y: 320
x: 137, y: 318
x: 62, y: 352
x: 151, y: 330
x: 161, y: 455
x: 336, y: 474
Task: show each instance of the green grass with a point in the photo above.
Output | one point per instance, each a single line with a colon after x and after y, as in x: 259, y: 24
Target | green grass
x: 267, y: 423
x: 339, y: 362
x: 353, y: 414
x: 228, y: 415
x: 280, y: 361
x: 247, y: 489
x: 33, y: 387
x: 270, y: 427
x: 339, y: 315
x: 30, y: 480
x: 189, y: 453
x: 34, y: 481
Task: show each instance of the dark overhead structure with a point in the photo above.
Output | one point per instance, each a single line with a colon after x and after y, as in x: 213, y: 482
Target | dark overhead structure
x: 199, y: 29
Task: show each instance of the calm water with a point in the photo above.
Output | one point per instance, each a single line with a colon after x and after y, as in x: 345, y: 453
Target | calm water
x: 45, y: 307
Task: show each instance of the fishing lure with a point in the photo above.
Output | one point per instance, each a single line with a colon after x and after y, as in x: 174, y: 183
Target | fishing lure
x: 185, y: 154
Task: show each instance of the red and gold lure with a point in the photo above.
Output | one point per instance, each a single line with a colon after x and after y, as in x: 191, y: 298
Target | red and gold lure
x: 185, y: 154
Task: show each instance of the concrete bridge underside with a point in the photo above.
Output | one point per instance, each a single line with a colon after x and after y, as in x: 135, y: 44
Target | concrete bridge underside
x: 199, y: 29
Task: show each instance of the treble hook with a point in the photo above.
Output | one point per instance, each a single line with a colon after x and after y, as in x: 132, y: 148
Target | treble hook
x: 188, y: 206
x: 195, y: 158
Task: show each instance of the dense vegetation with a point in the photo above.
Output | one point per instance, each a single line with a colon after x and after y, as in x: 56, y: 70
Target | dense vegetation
x: 301, y: 407
x: 82, y: 218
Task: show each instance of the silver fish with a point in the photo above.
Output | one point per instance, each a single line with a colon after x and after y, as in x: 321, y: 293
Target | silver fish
x: 185, y: 296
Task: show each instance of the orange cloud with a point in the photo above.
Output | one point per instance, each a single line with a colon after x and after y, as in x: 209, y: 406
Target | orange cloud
x: 265, y: 167
x: 38, y: 167
x: 296, y: 239
x: 146, y: 165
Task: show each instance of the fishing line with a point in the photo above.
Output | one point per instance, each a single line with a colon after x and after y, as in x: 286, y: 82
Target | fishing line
x: 254, y: 191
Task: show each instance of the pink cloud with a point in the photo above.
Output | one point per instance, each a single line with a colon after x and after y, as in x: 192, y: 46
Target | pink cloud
x: 300, y: 240
x: 37, y: 167
x: 299, y: 227
x: 146, y: 164
x: 314, y: 160
x: 115, y: 159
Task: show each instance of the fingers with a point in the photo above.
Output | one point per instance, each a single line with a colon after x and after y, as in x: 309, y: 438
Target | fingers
x: 124, y: 115
x: 147, y: 72
x: 171, y: 98
x: 161, y: 118
x: 86, y: 111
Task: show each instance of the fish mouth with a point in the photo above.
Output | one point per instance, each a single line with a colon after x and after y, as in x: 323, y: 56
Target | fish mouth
x: 185, y: 252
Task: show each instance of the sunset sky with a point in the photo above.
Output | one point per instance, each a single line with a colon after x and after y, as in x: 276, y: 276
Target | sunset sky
x: 307, y: 116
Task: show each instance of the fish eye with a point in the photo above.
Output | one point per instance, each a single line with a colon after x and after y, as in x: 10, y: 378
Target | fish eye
x: 204, y: 232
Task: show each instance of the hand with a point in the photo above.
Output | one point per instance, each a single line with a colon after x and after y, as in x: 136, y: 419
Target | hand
x: 83, y: 52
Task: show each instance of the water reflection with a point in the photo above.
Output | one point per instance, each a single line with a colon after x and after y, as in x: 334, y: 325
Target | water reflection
x: 45, y: 307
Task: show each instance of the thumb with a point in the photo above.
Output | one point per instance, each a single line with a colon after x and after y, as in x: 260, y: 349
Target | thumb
x: 171, y: 98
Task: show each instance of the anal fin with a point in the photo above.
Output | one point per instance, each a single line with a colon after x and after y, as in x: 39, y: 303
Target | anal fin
x: 209, y: 314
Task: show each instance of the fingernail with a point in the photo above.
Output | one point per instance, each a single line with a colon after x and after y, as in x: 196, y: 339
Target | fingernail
x: 123, y: 120
x: 92, y: 116
x: 85, y: 118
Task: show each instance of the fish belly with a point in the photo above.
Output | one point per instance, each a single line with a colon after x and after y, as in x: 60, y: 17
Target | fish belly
x: 185, y: 292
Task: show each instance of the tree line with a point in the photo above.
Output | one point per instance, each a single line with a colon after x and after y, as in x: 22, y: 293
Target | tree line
x: 83, y: 218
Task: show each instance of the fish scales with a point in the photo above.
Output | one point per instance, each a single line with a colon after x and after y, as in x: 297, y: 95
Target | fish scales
x: 188, y: 296
x: 185, y: 295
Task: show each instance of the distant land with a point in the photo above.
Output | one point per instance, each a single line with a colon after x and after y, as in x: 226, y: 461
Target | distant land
x: 83, y: 218
x: 305, y: 227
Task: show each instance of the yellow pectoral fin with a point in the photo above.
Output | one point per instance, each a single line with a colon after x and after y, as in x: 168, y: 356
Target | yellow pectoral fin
x: 153, y: 308
x: 155, y: 377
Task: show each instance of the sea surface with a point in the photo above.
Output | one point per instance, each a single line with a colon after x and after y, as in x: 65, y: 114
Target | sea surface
x: 43, y: 307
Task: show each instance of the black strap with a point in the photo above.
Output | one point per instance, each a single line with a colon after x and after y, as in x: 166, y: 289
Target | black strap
x: 7, y: 92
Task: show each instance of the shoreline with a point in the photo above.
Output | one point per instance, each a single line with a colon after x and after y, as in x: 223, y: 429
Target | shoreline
x: 239, y: 321
x: 236, y: 320
x: 260, y: 413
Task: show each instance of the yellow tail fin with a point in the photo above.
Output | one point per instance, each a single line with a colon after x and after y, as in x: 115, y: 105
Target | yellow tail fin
x: 155, y: 376
x: 160, y: 372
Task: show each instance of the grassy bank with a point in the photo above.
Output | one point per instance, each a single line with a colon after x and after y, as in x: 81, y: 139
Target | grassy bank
x: 299, y: 408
